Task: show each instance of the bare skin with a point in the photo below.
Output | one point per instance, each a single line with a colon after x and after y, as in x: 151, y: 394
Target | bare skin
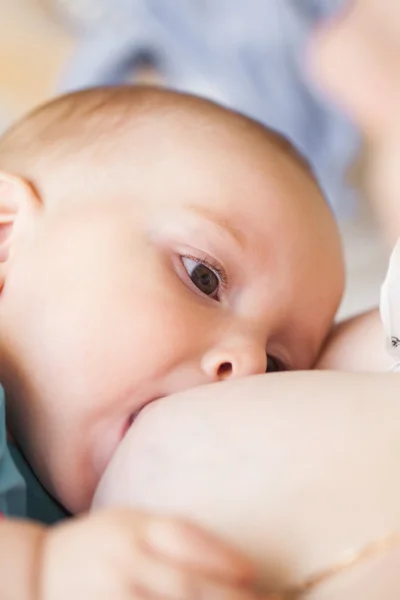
x: 357, y: 344
x: 149, y: 243
x: 324, y: 445
x: 374, y: 579
x: 121, y: 554
x: 295, y: 469
x: 110, y: 257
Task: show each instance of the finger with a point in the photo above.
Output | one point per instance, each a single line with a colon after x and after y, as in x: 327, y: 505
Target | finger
x: 154, y: 580
x: 194, y: 548
x: 225, y: 593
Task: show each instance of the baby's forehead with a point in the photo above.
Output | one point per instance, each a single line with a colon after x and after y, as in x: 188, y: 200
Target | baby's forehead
x: 146, y: 144
x: 127, y: 117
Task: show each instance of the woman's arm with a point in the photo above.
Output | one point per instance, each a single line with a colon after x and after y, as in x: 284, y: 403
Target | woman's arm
x: 357, y: 344
x: 296, y: 469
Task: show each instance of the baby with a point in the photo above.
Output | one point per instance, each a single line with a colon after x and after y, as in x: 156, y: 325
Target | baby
x: 150, y: 242
x: 304, y: 479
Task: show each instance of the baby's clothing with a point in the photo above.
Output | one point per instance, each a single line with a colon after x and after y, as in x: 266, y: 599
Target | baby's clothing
x: 12, y: 485
x: 390, y: 307
x: 21, y: 494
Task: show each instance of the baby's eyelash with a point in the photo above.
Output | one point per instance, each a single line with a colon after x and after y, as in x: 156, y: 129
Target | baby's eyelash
x: 214, y: 266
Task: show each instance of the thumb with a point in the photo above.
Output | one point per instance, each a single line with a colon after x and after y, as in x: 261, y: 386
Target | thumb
x: 196, y: 548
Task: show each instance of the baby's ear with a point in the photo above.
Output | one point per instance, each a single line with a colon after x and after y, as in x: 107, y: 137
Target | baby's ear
x: 17, y: 196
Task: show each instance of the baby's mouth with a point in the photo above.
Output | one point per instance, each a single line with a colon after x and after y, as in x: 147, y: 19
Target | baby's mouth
x: 106, y: 450
x: 134, y: 415
x: 132, y: 418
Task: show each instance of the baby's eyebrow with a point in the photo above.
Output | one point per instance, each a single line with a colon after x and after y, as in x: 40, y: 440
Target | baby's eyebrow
x: 217, y: 219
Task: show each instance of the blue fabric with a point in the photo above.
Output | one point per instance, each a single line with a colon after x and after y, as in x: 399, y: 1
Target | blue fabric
x: 246, y: 55
x: 12, y: 485
x: 40, y: 506
x: 21, y: 493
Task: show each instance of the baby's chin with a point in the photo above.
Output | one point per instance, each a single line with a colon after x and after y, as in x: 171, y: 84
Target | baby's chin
x: 74, y: 493
x: 75, y: 484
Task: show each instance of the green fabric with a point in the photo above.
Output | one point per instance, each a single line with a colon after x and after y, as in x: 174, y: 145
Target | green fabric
x: 21, y: 493
x: 40, y: 506
x: 12, y: 485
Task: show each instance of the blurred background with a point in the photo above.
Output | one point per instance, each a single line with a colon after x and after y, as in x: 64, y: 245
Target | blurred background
x: 33, y: 47
x: 245, y: 54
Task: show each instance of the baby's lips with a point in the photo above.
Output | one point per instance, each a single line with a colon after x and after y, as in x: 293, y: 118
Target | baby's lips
x: 146, y: 407
x: 135, y: 415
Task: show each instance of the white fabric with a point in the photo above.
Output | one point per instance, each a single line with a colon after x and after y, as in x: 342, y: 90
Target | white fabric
x: 390, y: 306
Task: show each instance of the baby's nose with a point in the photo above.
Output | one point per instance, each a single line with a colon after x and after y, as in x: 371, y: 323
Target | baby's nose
x: 238, y: 360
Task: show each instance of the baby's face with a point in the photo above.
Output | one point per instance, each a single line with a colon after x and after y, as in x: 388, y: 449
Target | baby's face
x: 205, y: 260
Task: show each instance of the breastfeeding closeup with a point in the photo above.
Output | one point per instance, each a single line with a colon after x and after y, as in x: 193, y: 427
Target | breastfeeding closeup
x: 199, y: 300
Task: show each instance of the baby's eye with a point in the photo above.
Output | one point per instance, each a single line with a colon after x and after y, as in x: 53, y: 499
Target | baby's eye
x: 274, y: 365
x: 202, y: 276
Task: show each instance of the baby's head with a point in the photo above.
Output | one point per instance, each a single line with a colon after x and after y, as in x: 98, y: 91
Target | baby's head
x: 149, y: 242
